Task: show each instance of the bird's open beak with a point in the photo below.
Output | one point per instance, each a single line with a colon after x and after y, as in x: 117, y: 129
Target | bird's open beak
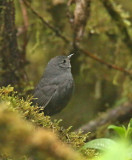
x: 70, y: 56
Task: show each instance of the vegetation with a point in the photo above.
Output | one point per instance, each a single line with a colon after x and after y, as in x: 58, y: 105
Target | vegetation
x: 111, y: 147
x: 25, y: 131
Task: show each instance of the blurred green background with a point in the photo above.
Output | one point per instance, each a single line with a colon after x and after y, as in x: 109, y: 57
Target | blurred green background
x: 97, y: 87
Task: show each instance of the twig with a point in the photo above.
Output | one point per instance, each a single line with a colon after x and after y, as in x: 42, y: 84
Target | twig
x: 24, y: 13
x: 109, y: 65
x: 119, y: 22
x: 94, y: 57
x: 118, y: 113
x: 25, y: 27
x: 56, y: 31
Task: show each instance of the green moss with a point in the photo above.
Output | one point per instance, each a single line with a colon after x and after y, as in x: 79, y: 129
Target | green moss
x: 30, y: 113
x: 21, y: 140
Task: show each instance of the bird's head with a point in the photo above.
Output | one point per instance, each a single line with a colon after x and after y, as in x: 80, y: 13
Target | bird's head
x: 62, y: 62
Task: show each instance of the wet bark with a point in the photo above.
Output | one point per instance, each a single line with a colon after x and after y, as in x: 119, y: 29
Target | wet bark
x: 11, y: 63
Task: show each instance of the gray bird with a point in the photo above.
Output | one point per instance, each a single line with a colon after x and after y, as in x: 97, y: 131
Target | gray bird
x: 55, y: 88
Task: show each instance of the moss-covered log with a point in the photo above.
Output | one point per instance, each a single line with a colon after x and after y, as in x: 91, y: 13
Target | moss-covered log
x: 19, y: 138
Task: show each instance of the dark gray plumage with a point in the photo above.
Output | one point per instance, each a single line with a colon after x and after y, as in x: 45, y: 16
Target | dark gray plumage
x: 55, y: 88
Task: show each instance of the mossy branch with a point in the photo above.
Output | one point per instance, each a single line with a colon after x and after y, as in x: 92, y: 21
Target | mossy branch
x: 31, y: 113
x: 116, y: 16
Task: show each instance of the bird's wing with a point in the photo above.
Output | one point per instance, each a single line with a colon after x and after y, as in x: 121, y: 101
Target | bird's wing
x: 44, y: 94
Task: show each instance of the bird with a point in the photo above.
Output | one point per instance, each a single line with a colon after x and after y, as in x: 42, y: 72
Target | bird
x: 55, y: 87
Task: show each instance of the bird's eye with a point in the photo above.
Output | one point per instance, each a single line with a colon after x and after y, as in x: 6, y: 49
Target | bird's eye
x: 64, y: 61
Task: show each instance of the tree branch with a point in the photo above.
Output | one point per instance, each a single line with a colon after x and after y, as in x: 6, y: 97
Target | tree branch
x: 81, y: 14
x: 109, y: 65
x: 94, y: 57
x: 55, y: 30
x: 115, y: 114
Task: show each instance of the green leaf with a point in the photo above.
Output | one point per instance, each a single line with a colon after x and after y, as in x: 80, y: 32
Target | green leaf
x: 130, y: 152
x: 130, y: 123
x: 118, y: 151
x: 121, y: 131
x: 100, y: 144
